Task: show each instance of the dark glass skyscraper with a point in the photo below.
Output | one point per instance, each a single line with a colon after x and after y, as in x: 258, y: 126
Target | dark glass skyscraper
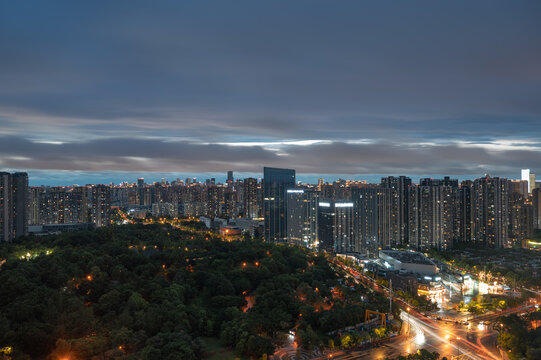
x: 276, y: 182
x: 336, y: 226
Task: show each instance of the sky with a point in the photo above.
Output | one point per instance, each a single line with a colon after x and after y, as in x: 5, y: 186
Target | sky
x: 112, y: 90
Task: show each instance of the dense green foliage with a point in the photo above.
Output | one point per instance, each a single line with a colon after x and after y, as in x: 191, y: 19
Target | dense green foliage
x: 420, y: 355
x: 150, y: 292
x: 518, y: 339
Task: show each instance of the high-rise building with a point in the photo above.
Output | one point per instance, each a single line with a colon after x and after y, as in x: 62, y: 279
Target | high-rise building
x: 215, y: 200
x: 230, y: 176
x: 344, y: 228
x: 276, y: 182
x: 399, y: 208
x: 521, y: 219
x: 59, y: 205
x: 526, y: 175
x: 536, y: 204
x: 21, y: 206
x: 432, y: 214
x: 326, y: 226
x: 101, y: 205
x: 466, y: 211
x: 519, y: 186
x: 336, y: 226
x: 320, y: 183
x: 35, y: 197
x: 7, y: 231
x: 79, y: 205
x: 14, y: 205
x: 371, y: 219
x: 302, y: 206
x: 250, y: 198
x: 491, y: 216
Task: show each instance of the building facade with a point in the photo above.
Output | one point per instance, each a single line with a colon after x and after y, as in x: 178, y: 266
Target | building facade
x: 302, y: 219
x: 275, y: 183
x: 14, y: 206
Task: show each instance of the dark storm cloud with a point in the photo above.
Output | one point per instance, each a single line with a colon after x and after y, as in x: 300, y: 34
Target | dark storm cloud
x: 395, y: 74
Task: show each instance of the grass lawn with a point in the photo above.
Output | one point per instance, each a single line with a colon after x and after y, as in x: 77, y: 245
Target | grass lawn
x: 217, y: 352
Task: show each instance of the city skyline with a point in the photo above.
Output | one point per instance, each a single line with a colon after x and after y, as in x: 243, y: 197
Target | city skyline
x: 69, y: 178
x: 355, y: 88
x: 271, y: 180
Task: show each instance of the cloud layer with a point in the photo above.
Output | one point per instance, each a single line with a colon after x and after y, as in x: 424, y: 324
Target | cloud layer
x: 343, y: 87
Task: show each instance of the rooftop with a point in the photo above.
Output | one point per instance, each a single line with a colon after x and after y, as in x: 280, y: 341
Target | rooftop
x: 408, y: 257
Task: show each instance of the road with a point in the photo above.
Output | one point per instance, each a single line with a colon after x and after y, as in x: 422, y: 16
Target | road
x: 450, y: 339
x: 447, y: 338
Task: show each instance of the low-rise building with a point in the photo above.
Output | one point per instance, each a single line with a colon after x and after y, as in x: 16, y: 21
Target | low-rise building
x: 410, y: 261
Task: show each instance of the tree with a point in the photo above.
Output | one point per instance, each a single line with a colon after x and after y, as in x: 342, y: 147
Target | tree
x: 346, y: 341
x: 331, y: 344
x: 380, y: 332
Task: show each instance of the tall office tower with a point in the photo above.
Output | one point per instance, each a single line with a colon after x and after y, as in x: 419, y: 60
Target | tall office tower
x: 302, y: 227
x: 371, y: 219
x: 14, y: 205
x: 251, y: 205
x: 532, y: 183
x: 399, y: 208
x: 336, y: 226
x: 230, y: 176
x: 520, y: 219
x: 325, y: 226
x: 491, y: 206
x: 466, y: 211
x: 519, y: 186
x: 141, y: 191
x: 21, y: 203
x: 101, y: 205
x: 536, y: 204
x: 432, y: 208
x: 276, y: 183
